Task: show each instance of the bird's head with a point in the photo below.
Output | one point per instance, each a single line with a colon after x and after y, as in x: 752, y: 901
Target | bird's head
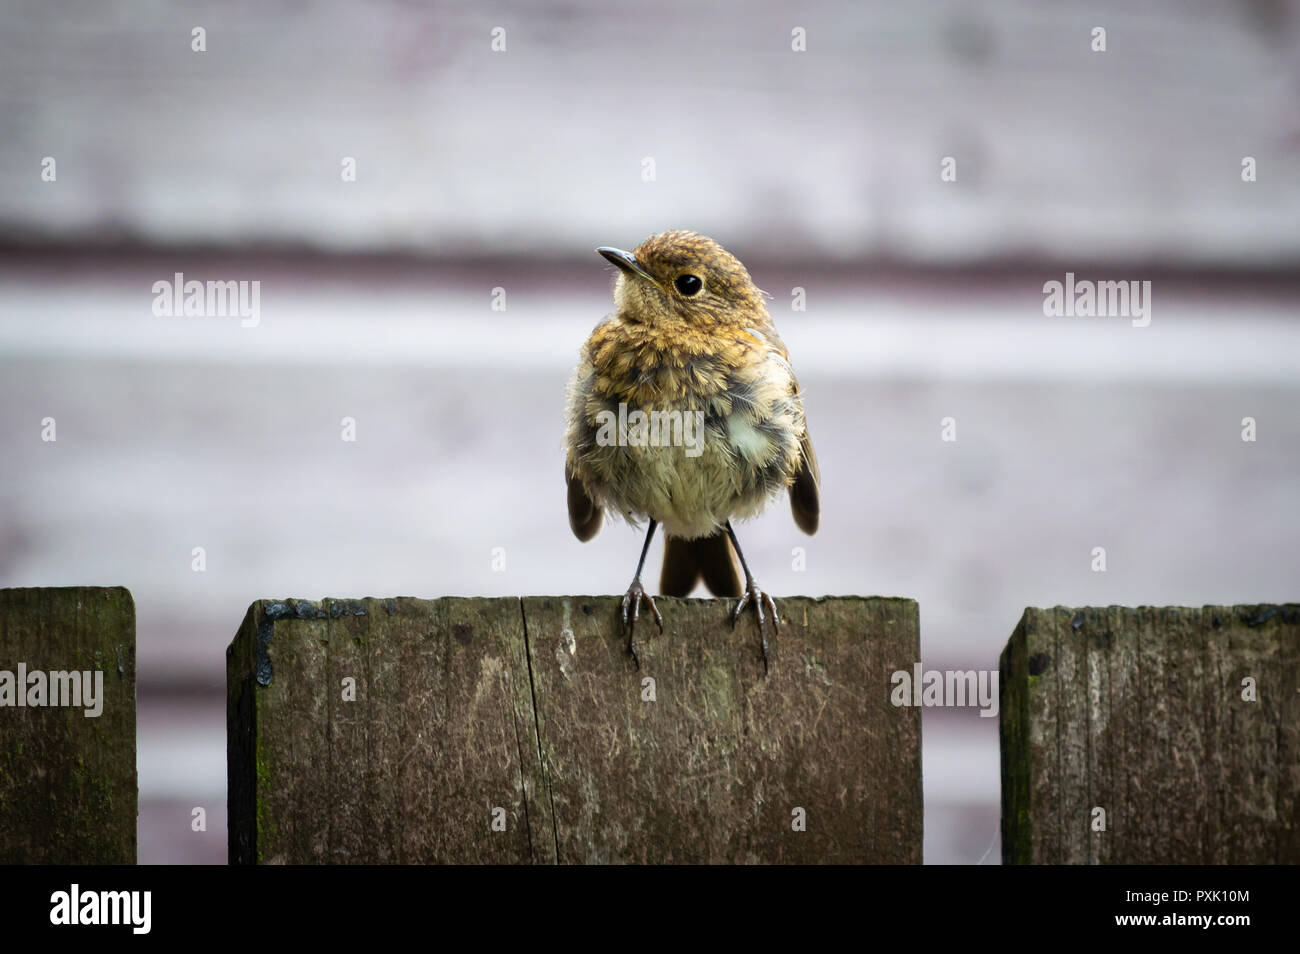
x: 686, y: 277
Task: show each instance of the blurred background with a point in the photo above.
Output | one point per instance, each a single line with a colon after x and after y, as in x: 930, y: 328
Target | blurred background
x: 485, y: 177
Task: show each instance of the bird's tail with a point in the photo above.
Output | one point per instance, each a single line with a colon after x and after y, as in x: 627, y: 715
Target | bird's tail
x: 686, y: 561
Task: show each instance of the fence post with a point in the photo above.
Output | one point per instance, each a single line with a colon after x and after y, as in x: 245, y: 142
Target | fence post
x: 508, y: 730
x: 67, y: 726
x: 1152, y: 736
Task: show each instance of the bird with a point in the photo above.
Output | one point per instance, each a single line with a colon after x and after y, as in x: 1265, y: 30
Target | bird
x: 684, y: 412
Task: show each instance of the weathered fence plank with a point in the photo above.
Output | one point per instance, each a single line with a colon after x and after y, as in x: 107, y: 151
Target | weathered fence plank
x: 412, y: 761
x: 1181, y: 724
x: 468, y: 705
x: 714, y: 768
x: 67, y: 744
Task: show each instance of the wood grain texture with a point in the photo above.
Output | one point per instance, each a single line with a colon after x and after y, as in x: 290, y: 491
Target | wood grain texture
x: 68, y: 781
x: 440, y: 733
x: 712, y: 770
x: 468, y: 704
x: 1140, y: 712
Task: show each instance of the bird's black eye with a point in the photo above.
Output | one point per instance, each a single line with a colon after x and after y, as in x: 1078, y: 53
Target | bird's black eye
x: 688, y: 285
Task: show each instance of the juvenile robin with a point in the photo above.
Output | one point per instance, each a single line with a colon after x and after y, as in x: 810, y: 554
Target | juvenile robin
x: 684, y: 411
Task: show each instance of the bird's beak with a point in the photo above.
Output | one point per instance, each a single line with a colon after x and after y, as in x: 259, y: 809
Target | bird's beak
x: 626, y: 262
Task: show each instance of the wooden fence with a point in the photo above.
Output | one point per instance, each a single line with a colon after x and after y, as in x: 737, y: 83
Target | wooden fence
x: 520, y: 731
x: 1152, y: 736
x: 67, y: 726
x: 508, y: 730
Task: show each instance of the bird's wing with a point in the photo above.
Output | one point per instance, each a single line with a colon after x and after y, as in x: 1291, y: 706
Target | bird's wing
x: 584, y: 516
x: 805, y: 492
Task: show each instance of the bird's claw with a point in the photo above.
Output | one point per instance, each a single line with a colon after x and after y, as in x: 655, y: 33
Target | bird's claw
x: 632, y: 599
x: 756, y: 596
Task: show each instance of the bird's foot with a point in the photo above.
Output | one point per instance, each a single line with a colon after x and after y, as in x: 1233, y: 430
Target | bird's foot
x: 756, y: 596
x: 632, y: 601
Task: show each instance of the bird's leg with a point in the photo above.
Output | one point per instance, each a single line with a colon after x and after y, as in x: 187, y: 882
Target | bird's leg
x: 633, y: 597
x: 756, y: 596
